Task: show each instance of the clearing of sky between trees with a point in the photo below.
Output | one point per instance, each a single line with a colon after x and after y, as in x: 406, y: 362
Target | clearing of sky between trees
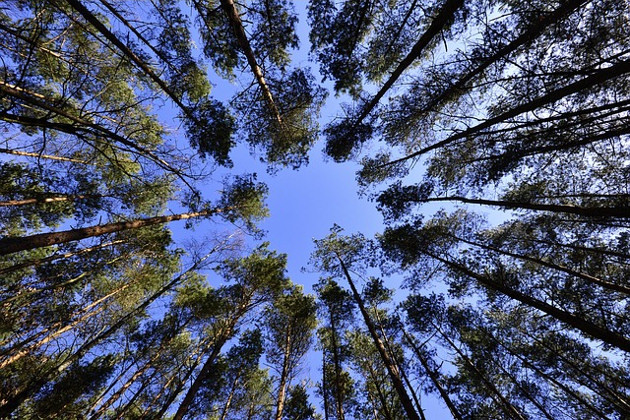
x: 137, y: 280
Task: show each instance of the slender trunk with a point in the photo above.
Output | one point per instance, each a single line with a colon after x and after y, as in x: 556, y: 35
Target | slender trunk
x: 527, y: 36
x: 595, y: 79
x: 80, y: 126
x: 226, y: 408
x: 379, y: 392
x: 569, y: 391
x: 38, y: 262
x: 42, y: 156
x: 120, y: 412
x: 101, y: 28
x: 46, y: 200
x: 98, y: 401
x: 596, y: 212
x: 337, y: 365
x: 208, y: 365
x: 120, y: 391
x: 595, y: 384
x: 16, y: 244
x: 576, y: 322
x: 439, y: 22
x: 17, y: 356
x: 199, y: 353
x: 510, y: 410
x: 389, y: 364
x: 237, y: 27
x: 574, y: 247
x: 325, y: 385
x: 589, y: 278
x: 46, y: 376
x: 525, y: 392
x: 403, y: 374
x: 32, y: 291
x: 433, y: 376
x: 284, y: 376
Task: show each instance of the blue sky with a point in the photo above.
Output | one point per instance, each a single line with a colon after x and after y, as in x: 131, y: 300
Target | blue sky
x: 305, y: 203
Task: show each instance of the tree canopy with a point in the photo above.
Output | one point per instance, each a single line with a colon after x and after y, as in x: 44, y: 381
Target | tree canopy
x: 136, y: 279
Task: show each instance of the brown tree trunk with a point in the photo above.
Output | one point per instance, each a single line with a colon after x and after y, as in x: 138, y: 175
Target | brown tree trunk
x: 45, y: 200
x: 595, y: 79
x: 55, y: 257
x: 226, y: 408
x: 432, y: 375
x: 595, y: 280
x: 527, y: 36
x: 284, y: 376
x: 527, y: 364
x: 11, y: 245
x: 509, y: 409
x: 223, y: 337
x: 389, y: 364
x: 46, y: 376
x: 444, y: 16
x: 42, y: 156
x: 337, y: 365
x: 237, y: 26
x: 595, y: 212
x: 86, y: 315
x: 576, y: 322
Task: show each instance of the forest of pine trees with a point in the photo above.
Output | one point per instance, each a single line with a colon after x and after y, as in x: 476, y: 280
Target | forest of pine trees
x: 136, y: 282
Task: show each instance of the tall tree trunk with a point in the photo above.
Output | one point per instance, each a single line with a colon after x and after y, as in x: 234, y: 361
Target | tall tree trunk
x: 379, y: 392
x: 433, y: 376
x: 45, y: 200
x: 337, y: 366
x: 100, y: 27
x: 509, y: 409
x: 529, y: 35
x: 325, y: 385
x: 596, y: 385
x: 595, y: 79
x: 595, y: 212
x: 576, y: 322
x: 39, y: 262
x: 80, y: 125
x: 389, y: 364
x: 444, y: 16
x: 86, y: 314
x: 224, y: 336
x: 46, y: 376
x: 284, y: 376
x: 226, y: 407
x: 42, y: 156
x: 595, y: 280
x: 11, y: 245
x: 528, y: 365
x: 237, y: 27
x: 403, y: 374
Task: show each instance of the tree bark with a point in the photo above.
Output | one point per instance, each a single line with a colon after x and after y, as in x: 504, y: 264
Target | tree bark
x: 46, y: 376
x: 527, y: 36
x: 510, y: 410
x: 55, y: 257
x: 387, y: 361
x: 42, y: 156
x: 446, y: 13
x: 599, y: 77
x: 284, y: 376
x: 10, y: 245
x: 432, y: 375
x: 591, y: 212
x: 574, y: 321
x: 237, y: 27
x: 595, y: 280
